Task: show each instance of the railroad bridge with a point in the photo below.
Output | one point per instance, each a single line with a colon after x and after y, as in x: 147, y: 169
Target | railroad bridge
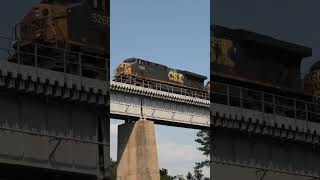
x: 59, y: 122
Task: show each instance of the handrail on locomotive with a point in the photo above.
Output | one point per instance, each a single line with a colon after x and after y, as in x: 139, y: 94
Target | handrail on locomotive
x: 264, y: 102
x: 53, y: 57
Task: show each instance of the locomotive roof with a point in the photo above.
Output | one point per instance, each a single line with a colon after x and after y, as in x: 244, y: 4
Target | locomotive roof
x: 315, y: 66
x: 182, y: 71
x: 244, y: 35
x: 194, y: 74
x: 61, y: 1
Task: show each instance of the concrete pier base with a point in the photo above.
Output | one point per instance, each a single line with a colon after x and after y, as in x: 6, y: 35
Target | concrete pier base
x: 137, y: 151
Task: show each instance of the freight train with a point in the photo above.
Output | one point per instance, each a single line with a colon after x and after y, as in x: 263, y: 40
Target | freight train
x: 72, y: 25
x: 152, y: 75
x: 259, y: 72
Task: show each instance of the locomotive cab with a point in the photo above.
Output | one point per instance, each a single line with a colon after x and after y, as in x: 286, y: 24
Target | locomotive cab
x: 124, y: 68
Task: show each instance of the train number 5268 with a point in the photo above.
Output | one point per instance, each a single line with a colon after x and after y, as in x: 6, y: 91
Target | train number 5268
x: 99, y: 19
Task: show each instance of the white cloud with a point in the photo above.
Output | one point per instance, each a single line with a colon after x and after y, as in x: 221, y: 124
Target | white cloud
x: 179, y: 159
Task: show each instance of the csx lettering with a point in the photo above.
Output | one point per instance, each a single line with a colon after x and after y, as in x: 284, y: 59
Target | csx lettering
x: 223, y: 46
x: 99, y: 19
x: 175, y: 76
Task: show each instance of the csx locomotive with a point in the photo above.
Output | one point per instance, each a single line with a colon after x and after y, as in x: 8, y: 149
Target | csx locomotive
x: 75, y: 25
x: 170, y: 79
x: 258, y: 72
x: 250, y: 58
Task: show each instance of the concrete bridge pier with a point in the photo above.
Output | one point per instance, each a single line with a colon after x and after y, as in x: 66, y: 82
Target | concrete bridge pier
x: 137, y: 151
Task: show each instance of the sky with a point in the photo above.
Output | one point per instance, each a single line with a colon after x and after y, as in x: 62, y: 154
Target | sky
x: 289, y: 20
x: 170, y: 32
x: 175, y: 33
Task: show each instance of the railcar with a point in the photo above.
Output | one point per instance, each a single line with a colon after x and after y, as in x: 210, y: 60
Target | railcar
x: 62, y: 28
x: 242, y: 56
x: 258, y: 72
x: 146, y: 73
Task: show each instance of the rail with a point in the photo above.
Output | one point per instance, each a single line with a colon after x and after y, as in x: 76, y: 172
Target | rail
x: 237, y: 96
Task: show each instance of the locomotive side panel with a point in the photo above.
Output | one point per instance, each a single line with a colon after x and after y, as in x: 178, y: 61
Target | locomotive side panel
x: 88, y: 27
x: 165, y: 74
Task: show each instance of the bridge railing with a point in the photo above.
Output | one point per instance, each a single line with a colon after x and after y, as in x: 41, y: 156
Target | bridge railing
x: 133, y: 80
x: 265, y: 102
x: 54, y: 58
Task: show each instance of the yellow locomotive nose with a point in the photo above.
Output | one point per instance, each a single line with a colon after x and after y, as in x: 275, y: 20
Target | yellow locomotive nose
x: 124, y: 69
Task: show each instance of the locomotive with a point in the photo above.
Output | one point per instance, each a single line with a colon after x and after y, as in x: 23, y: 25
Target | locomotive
x: 240, y: 56
x: 61, y: 29
x: 157, y: 76
x: 258, y: 72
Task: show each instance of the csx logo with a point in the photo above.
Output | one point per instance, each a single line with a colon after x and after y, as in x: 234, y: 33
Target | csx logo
x: 220, y: 48
x: 175, y: 76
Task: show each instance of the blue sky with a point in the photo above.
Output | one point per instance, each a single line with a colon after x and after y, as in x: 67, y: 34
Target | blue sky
x: 170, y: 32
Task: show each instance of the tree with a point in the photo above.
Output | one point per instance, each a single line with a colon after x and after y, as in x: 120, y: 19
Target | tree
x: 113, y: 169
x: 197, y: 173
x: 203, y: 138
x: 165, y: 176
x: 189, y: 176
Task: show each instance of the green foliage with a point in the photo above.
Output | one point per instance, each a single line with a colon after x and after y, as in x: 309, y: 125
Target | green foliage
x: 113, y: 169
x: 189, y: 176
x: 164, y: 175
x: 203, y: 138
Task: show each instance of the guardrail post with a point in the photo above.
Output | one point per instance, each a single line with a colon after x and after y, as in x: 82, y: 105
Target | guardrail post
x: 295, y: 107
x: 262, y: 101
x: 35, y: 55
x: 228, y: 95
x: 274, y: 104
x: 18, y: 47
x: 307, y: 111
x: 79, y: 63
x: 241, y: 98
x: 64, y: 61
